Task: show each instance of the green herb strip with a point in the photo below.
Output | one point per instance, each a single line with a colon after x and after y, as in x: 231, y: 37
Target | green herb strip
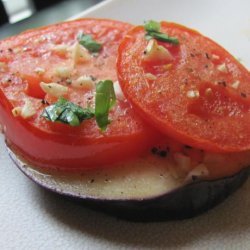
x: 153, y: 31
x: 105, y: 99
x: 67, y: 112
x: 152, y: 26
x: 72, y: 114
x: 89, y: 43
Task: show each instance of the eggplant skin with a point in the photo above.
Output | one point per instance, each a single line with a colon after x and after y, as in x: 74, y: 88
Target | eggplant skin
x: 181, y: 203
x: 185, y: 202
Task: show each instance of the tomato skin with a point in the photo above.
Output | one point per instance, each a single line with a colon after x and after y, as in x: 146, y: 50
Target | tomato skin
x: 55, y: 145
x: 68, y: 152
x: 218, y: 124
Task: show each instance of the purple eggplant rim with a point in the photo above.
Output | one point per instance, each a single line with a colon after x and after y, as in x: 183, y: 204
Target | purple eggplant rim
x: 195, y: 198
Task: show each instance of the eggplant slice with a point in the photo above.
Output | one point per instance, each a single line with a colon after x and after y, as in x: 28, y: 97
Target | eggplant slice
x: 143, y: 190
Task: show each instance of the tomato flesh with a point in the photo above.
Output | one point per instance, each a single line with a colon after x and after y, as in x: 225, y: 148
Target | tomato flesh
x: 57, y: 145
x: 218, y: 118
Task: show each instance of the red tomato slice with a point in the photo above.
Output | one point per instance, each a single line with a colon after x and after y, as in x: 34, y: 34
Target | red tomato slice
x: 31, y: 58
x: 200, y: 96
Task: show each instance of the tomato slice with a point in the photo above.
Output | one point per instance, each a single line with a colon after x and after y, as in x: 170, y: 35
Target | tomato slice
x: 34, y: 56
x: 200, y: 96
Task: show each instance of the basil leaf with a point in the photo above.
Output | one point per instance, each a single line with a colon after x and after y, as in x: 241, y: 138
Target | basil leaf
x: 152, y: 25
x: 148, y: 37
x: 67, y: 112
x: 69, y: 117
x: 105, y: 99
x: 162, y: 37
x: 153, y: 31
x: 89, y: 43
x: 72, y: 114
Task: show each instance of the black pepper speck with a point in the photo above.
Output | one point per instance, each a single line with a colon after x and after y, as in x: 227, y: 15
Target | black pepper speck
x: 243, y: 95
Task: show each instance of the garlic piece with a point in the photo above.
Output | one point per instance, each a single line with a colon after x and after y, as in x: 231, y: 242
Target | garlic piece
x: 235, y: 84
x: 85, y: 82
x: 118, y: 91
x: 60, y: 48
x: 39, y: 70
x: 222, y: 68
x: 154, y: 51
x: 215, y: 57
x: 150, y: 76
x: 199, y: 172
x: 183, y: 161
x: 63, y: 71
x: 54, y: 89
x: 79, y: 53
x: 26, y: 111
x: 193, y: 94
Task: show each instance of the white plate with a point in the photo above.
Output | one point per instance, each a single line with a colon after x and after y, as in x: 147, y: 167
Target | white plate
x: 225, y: 21
x: 31, y: 218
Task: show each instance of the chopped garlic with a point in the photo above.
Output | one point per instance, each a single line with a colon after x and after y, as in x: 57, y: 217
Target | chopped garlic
x: 118, y: 91
x: 54, y: 89
x: 16, y: 50
x: 26, y: 111
x: 63, y: 71
x: 60, y: 48
x: 85, y: 82
x: 156, y: 52
x: 150, y: 76
x: 222, y: 67
x: 39, y: 70
x: 183, y: 161
x: 78, y: 53
x: 215, y: 57
x: 198, y: 172
x: 193, y: 94
x: 40, y: 39
x: 235, y: 84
